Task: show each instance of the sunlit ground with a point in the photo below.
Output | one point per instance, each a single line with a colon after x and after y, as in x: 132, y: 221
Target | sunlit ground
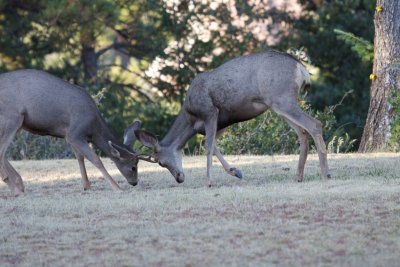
x: 265, y: 219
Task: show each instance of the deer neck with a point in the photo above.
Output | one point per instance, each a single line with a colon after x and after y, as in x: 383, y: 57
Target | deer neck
x: 101, y: 138
x: 179, y: 133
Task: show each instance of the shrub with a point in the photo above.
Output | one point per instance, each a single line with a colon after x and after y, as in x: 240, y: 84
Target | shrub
x: 269, y: 134
x: 266, y: 134
x: 29, y: 146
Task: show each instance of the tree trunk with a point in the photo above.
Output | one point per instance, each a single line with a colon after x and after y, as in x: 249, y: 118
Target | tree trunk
x: 385, y: 78
x: 88, y: 55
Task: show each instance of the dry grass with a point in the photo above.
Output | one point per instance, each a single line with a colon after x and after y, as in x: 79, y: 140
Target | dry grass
x: 264, y: 220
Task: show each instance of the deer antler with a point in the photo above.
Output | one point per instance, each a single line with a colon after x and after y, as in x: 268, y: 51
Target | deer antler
x: 148, y: 158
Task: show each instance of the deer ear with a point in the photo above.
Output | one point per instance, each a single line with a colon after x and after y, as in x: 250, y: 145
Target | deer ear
x: 121, y: 152
x: 114, y: 151
x: 129, y: 135
x: 147, y: 139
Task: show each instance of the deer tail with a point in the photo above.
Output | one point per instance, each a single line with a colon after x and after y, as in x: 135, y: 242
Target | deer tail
x: 306, y: 77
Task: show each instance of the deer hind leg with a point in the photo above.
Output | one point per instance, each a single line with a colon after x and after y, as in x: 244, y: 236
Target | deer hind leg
x: 210, y: 130
x: 303, y: 140
x: 10, y: 176
x: 8, y: 128
x: 81, y: 161
x: 228, y: 168
x: 83, y: 148
x: 294, y: 114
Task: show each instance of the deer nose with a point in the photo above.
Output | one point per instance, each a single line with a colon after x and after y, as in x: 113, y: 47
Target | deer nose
x: 180, y: 177
x: 133, y: 183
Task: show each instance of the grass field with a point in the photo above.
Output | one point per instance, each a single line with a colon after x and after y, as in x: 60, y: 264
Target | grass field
x: 263, y: 220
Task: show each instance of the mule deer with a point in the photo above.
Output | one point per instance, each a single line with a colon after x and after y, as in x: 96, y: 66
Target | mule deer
x: 239, y: 90
x: 43, y: 104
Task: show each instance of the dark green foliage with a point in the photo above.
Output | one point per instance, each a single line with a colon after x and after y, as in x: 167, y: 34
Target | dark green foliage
x: 191, y: 54
x: 53, y: 35
x: 340, y: 69
x: 363, y: 48
x: 107, y: 45
x: 269, y: 134
x: 29, y: 146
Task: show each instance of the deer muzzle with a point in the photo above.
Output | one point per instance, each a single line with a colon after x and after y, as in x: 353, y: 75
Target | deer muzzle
x: 133, y: 183
x: 180, y: 177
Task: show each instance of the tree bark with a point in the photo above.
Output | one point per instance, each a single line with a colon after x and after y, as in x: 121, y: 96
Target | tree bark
x: 88, y: 55
x: 386, y: 73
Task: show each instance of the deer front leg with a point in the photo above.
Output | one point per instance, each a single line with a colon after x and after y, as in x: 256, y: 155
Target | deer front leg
x: 19, y: 187
x: 10, y: 181
x: 211, y: 130
x: 10, y: 124
x: 230, y: 170
x: 83, y: 148
x: 11, y: 177
x: 81, y: 161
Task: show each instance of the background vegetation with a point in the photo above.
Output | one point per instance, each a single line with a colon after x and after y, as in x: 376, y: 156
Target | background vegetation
x: 142, y: 55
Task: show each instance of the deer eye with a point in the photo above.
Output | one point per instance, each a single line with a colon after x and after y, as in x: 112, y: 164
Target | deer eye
x: 134, y: 169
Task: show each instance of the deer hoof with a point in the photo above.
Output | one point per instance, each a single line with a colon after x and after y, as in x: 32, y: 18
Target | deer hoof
x: 329, y: 176
x: 18, y: 192
x: 236, y: 172
x: 87, y: 187
x: 116, y: 188
x: 298, y: 178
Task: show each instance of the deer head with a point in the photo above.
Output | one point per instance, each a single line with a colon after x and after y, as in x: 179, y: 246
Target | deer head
x: 124, y: 157
x: 166, y: 156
